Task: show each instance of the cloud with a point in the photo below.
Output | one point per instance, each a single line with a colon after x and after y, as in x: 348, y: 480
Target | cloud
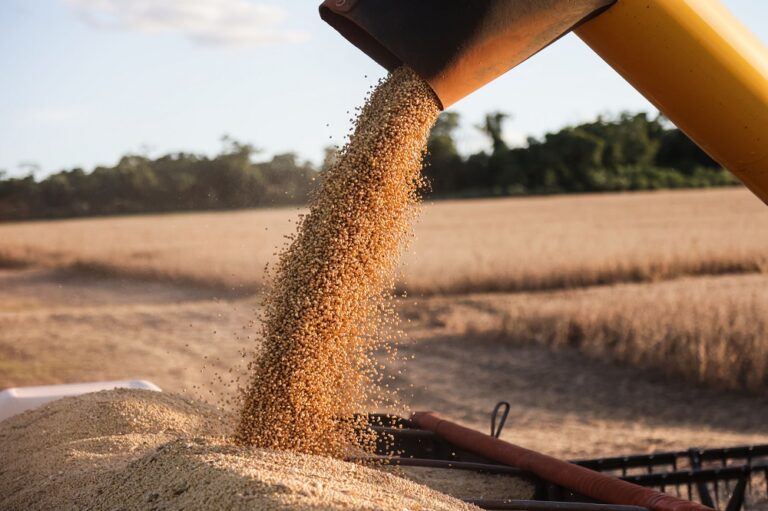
x: 210, y: 22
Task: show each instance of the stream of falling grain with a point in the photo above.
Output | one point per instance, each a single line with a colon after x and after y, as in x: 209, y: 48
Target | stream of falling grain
x: 325, y: 309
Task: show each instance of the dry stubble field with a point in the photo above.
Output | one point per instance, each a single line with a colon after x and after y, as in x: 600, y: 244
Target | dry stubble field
x: 612, y: 323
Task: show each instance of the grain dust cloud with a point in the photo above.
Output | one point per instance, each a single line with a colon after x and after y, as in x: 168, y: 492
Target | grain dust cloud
x: 325, y: 309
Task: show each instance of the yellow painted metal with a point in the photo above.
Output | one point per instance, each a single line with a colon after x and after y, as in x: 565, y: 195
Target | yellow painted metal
x: 702, y: 68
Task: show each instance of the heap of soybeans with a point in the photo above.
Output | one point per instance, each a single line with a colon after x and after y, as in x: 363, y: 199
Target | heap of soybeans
x: 324, y: 311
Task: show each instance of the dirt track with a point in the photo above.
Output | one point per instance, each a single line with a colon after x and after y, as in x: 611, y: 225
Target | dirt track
x: 60, y: 326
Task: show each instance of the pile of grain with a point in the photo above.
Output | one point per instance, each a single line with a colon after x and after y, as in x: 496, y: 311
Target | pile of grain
x: 323, y: 313
x: 466, y: 484
x: 139, y: 450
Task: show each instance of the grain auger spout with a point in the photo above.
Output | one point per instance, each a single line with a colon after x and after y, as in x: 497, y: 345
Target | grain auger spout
x: 691, y: 58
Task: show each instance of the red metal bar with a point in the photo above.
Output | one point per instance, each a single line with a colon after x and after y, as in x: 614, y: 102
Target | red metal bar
x: 584, y: 481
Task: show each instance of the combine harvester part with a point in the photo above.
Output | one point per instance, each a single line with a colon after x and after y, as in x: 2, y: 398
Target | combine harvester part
x: 460, y: 46
x: 582, y: 480
x: 691, y: 58
x: 729, y: 479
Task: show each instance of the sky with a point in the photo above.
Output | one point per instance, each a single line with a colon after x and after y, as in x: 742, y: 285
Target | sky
x: 86, y: 81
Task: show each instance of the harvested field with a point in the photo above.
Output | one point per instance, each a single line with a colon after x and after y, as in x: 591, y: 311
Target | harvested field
x: 461, y: 246
x: 709, y: 330
x: 510, y: 245
x: 565, y: 402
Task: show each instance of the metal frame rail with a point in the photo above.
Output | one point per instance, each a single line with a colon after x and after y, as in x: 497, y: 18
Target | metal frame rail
x: 709, y: 475
x: 728, y: 478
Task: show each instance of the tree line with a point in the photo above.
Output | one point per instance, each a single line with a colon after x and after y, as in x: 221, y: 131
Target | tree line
x: 628, y: 152
x: 174, y: 182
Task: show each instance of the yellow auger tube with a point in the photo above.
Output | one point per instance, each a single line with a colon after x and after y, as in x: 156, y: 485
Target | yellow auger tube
x: 702, y: 68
